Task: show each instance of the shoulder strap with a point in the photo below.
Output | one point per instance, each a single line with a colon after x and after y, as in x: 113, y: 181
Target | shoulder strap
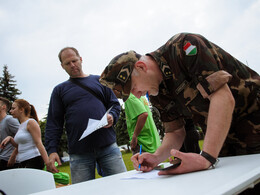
x: 88, y: 89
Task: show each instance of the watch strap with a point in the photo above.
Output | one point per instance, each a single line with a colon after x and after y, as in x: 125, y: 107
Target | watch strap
x: 210, y: 158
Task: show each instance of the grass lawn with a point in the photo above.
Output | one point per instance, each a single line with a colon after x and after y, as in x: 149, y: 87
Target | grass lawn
x: 126, y: 156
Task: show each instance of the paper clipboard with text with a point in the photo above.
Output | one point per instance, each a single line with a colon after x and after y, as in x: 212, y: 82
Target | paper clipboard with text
x: 94, y: 125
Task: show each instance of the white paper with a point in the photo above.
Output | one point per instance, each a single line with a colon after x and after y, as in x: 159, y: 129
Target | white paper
x: 143, y: 175
x: 94, y: 125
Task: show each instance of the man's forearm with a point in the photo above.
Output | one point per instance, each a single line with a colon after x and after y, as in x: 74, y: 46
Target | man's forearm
x: 171, y: 140
x: 219, y: 120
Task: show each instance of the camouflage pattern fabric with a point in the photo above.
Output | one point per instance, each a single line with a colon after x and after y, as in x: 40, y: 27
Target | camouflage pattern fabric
x: 193, y: 68
x: 117, y: 75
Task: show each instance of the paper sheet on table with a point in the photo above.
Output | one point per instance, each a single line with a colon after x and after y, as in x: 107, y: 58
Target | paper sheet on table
x: 143, y: 175
x: 94, y: 125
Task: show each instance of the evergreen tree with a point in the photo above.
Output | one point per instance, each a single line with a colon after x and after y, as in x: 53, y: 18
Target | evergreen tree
x: 8, y: 85
x: 158, y: 122
x: 122, y: 136
x: 42, y: 126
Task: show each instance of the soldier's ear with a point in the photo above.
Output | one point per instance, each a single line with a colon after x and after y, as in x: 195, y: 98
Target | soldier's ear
x: 141, y: 66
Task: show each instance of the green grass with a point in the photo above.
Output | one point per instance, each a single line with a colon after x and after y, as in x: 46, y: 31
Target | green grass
x: 126, y: 157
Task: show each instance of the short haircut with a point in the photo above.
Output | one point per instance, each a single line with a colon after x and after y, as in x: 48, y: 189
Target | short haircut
x: 65, y: 48
x: 6, y: 102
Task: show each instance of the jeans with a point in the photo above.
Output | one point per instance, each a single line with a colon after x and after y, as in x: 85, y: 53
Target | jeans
x: 82, y: 166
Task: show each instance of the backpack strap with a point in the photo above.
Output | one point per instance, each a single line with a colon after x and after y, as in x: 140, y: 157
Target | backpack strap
x: 88, y: 89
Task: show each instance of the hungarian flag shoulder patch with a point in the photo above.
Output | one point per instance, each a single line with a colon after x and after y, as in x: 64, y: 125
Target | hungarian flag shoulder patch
x: 190, y: 49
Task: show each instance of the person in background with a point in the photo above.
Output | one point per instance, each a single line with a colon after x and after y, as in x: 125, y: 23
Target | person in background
x: 140, y: 125
x: 133, y: 106
x: 71, y: 106
x: 29, y: 150
x: 190, y: 77
x: 8, y: 127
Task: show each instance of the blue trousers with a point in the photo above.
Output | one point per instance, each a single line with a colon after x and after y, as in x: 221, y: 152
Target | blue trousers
x: 82, y: 166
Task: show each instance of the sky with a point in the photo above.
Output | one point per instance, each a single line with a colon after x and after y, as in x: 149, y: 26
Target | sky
x: 32, y: 32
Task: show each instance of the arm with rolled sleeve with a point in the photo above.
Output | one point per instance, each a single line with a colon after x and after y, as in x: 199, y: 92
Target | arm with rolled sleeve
x: 206, y: 68
x: 212, y: 84
x: 219, y: 120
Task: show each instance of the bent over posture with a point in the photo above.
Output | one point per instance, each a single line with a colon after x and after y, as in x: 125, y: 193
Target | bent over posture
x: 191, y: 77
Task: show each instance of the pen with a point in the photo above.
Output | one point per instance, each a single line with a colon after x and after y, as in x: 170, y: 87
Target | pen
x: 147, y: 96
x: 139, y: 167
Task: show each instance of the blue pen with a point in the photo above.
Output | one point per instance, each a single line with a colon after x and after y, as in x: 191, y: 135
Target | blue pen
x: 139, y: 167
x: 147, y: 96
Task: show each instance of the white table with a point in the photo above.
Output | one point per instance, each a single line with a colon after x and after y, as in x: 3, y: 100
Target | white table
x: 232, y: 175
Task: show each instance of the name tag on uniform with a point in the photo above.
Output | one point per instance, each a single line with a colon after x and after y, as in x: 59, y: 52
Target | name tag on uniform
x: 181, y: 87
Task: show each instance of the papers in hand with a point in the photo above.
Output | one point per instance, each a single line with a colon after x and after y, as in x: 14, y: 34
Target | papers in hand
x: 94, y: 125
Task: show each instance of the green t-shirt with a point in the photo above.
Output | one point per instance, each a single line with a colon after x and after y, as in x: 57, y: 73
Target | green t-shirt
x: 149, y: 136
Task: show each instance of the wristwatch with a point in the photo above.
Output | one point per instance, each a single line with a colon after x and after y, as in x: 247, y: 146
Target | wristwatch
x: 210, y: 158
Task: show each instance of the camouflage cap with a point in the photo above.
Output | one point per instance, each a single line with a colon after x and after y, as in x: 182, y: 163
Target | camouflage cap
x: 117, y: 74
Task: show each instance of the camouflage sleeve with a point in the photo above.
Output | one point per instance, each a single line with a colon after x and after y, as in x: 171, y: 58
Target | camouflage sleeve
x: 215, y: 81
x: 201, y: 59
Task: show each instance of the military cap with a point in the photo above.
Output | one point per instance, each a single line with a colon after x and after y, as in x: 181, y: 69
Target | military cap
x: 117, y: 75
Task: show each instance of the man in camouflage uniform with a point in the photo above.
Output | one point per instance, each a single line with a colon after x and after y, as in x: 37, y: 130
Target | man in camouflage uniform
x: 191, y: 77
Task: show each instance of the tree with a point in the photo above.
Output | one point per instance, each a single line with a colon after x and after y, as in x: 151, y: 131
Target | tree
x: 122, y: 136
x: 42, y: 126
x: 8, y: 85
x: 158, y: 122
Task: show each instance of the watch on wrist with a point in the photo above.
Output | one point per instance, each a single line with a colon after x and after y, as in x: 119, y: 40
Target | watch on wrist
x: 210, y: 158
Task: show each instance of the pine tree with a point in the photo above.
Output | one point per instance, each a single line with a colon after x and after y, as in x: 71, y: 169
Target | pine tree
x: 158, y: 122
x: 8, y: 85
x: 122, y: 136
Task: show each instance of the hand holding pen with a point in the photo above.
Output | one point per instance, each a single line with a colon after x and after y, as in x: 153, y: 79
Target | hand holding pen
x: 144, y: 161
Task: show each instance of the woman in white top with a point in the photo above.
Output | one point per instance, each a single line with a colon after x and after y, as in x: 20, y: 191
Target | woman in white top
x: 29, y: 150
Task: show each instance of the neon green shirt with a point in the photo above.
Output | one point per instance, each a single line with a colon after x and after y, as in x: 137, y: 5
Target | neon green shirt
x: 149, y: 136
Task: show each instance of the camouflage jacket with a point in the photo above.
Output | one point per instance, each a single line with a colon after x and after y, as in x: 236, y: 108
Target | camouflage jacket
x: 193, y: 68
